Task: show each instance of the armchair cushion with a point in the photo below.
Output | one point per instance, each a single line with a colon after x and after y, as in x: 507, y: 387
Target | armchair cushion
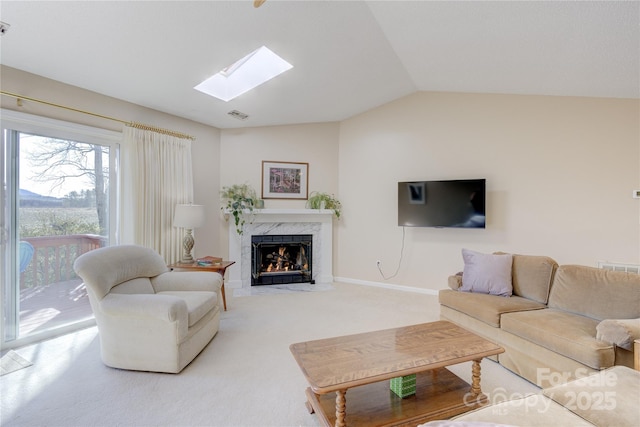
x: 621, y: 332
x: 117, y: 265
x: 198, y: 303
x: 187, y: 281
x: 141, y: 285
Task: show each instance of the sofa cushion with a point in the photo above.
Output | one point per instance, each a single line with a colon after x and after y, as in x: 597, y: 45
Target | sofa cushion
x: 486, y: 273
x: 449, y: 423
x: 606, y: 398
x: 568, y: 334
x: 199, y: 303
x: 486, y: 308
x: 532, y: 411
x: 596, y: 293
x: 532, y: 276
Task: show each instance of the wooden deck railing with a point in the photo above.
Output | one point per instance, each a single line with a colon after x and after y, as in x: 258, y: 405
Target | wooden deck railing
x: 53, y: 257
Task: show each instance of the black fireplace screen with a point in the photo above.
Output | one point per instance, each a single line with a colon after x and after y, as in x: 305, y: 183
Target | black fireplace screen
x: 279, y: 259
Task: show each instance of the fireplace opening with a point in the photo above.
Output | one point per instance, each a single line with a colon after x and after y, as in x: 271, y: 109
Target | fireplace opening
x: 280, y: 259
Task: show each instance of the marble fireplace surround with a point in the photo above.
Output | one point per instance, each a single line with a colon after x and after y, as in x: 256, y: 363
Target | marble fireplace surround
x: 318, y: 223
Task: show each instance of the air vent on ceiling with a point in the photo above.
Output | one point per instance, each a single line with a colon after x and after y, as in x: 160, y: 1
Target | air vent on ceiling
x: 238, y: 115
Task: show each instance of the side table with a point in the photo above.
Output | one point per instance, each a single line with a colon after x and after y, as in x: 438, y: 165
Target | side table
x: 216, y: 268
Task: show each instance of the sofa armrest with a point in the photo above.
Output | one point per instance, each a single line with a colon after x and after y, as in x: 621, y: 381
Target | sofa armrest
x: 620, y: 332
x: 455, y: 281
x: 187, y: 281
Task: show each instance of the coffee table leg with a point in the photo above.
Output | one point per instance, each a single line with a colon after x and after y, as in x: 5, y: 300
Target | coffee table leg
x: 475, y: 378
x: 341, y: 406
x: 309, y: 407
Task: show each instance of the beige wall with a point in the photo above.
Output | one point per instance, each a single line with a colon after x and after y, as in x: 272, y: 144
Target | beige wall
x: 243, y: 151
x: 205, y: 149
x: 560, y: 174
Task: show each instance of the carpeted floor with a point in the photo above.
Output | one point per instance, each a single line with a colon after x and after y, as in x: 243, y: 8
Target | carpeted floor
x: 245, y: 377
x: 12, y: 362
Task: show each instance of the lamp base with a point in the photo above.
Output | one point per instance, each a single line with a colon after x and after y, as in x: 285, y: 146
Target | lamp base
x: 187, y: 245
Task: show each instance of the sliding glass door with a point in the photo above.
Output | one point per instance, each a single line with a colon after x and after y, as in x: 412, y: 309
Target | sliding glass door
x: 59, y: 198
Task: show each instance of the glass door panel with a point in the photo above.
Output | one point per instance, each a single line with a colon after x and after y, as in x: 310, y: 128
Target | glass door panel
x: 60, y: 211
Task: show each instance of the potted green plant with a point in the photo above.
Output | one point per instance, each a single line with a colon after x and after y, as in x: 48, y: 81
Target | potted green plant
x: 238, y: 199
x: 318, y: 200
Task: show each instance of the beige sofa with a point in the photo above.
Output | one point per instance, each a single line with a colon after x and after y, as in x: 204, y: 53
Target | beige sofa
x: 560, y: 323
x: 606, y: 398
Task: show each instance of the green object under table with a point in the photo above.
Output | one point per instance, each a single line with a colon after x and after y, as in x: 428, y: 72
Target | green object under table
x: 404, y: 386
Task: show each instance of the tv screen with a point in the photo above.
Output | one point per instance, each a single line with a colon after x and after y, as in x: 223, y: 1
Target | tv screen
x: 453, y: 203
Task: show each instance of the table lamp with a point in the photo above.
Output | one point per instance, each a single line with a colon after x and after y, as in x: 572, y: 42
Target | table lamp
x: 188, y: 216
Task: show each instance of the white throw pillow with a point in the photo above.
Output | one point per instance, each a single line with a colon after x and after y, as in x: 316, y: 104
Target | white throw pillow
x: 487, y: 273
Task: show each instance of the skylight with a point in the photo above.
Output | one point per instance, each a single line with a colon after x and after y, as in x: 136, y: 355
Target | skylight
x: 256, y: 68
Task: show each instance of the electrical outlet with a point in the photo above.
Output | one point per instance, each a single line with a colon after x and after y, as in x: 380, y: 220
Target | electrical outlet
x: 636, y: 194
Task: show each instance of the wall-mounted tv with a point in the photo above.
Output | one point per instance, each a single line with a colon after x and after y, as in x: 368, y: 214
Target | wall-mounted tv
x: 453, y: 203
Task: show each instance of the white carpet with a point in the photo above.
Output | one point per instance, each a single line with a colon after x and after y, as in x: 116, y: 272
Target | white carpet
x: 282, y: 289
x: 245, y: 377
x: 12, y: 362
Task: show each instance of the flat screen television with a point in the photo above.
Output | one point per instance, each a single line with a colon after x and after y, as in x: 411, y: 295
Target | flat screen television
x: 453, y: 203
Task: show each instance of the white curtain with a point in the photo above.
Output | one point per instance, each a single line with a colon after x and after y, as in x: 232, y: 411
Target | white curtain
x: 160, y: 176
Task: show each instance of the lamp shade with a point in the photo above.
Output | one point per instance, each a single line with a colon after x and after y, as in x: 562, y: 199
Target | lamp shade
x: 188, y: 216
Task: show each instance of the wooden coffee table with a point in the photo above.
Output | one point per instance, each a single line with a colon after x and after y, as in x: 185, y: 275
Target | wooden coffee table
x: 363, y: 364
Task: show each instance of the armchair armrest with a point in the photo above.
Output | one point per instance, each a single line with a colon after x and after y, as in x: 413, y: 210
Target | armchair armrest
x: 161, y: 307
x: 155, y: 314
x: 620, y: 332
x: 187, y: 281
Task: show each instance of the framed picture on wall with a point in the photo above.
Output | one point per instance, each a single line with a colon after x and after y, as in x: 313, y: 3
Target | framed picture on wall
x: 285, y: 180
x: 417, y: 194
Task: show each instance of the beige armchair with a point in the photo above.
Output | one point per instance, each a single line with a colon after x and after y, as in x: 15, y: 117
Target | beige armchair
x: 149, y: 318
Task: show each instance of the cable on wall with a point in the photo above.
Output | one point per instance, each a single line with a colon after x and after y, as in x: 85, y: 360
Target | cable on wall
x: 399, y: 261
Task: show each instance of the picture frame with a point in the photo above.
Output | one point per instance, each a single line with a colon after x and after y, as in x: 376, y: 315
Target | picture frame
x: 417, y: 193
x: 285, y: 180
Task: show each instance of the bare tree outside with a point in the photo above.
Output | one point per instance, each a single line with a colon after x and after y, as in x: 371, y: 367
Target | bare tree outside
x: 59, y: 161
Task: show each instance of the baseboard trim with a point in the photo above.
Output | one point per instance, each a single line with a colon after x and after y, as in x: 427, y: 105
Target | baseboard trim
x: 386, y: 286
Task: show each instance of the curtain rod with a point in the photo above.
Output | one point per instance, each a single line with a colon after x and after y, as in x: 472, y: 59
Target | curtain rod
x: 126, y: 123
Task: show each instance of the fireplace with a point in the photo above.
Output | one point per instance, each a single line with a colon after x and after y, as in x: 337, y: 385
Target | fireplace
x: 281, y: 258
x: 278, y: 222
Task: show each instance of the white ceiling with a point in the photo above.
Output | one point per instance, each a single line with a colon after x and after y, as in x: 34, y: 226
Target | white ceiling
x: 348, y: 56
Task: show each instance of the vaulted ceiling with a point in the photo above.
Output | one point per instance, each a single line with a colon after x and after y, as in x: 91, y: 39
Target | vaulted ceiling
x: 348, y: 56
